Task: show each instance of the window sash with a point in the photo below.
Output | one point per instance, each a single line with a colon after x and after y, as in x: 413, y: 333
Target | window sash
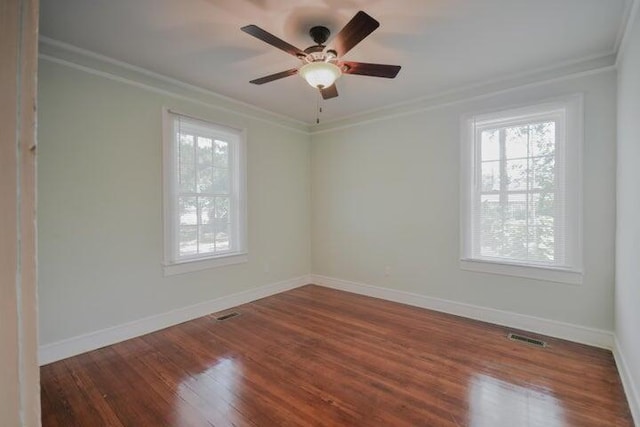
x: 175, y: 125
x: 503, y: 193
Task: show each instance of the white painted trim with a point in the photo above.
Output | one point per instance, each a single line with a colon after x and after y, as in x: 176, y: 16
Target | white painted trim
x: 553, y: 328
x: 547, y: 274
x: 80, y: 344
x: 630, y: 388
x: 204, y: 264
x: 625, y: 29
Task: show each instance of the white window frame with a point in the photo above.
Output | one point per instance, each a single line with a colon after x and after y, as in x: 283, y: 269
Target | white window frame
x: 568, y: 151
x: 173, y: 263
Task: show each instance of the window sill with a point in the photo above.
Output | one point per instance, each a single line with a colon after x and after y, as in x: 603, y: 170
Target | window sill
x: 548, y: 274
x: 204, y: 264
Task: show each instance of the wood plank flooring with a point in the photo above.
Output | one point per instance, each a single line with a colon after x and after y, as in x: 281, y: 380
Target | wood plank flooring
x: 314, y: 356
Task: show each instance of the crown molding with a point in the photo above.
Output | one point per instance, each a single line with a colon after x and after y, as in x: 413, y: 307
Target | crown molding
x: 628, y: 21
x: 82, y: 59
x: 626, y: 13
x: 90, y: 62
x: 458, y: 96
x: 548, y: 73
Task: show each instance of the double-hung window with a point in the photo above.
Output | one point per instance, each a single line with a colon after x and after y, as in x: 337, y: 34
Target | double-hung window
x: 521, y: 191
x: 205, y: 194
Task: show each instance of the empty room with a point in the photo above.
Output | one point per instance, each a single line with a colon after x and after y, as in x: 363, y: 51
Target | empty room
x: 320, y: 213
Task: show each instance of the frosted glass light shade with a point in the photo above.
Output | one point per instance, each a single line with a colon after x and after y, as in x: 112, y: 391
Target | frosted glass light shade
x: 320, y: 74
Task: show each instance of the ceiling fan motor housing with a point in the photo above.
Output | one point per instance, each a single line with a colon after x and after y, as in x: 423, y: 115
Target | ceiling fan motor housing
x: 319, y: 34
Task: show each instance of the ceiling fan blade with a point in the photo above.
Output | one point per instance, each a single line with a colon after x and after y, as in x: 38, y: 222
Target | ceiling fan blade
x: 276, y: 76
x: 365, y: 69
x: 329, y: 92
x: 360, y: 26
x: 269, y: 38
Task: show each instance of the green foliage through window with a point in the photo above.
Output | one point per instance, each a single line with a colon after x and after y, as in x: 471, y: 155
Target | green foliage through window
x: 518, y: 186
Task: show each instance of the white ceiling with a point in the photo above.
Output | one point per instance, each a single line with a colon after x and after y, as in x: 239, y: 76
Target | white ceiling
x: 440, y: 44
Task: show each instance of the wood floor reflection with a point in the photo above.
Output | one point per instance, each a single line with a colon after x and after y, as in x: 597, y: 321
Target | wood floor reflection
x: 319, y: 357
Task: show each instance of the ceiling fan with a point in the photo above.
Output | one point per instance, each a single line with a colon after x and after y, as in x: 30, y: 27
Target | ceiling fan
x: 321, y: 67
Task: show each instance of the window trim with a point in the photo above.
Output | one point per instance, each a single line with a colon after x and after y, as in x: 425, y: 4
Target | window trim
x: 571, y: 153
x: 171, y: 264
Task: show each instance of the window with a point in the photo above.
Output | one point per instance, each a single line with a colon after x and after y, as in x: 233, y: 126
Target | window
x: 521, y: 191
x: 205, y: 194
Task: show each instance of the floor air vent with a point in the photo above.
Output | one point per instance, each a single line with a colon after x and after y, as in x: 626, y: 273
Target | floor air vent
x: 227, y: 316
x: 526, y: 340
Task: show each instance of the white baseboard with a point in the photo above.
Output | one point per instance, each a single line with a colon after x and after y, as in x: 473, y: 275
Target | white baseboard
x: 76, y: 345
x: 630, y: 388
x: 552, y: 328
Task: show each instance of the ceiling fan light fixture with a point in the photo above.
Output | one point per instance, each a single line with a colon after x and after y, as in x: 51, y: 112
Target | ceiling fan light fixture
x: 320, y: 74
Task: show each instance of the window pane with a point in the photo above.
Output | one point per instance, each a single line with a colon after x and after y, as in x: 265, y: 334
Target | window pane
x: 518, y: 229
x: 187, y: 178
x: 541, y: 244
x: 516, y: 141
x: 542, y: 227
x: 543, y: 138
x: 544, y: 204
x: 205, y: 151
x: 503, y: 226
x: 515, y: 241
x: 490, y: 176
x: 490, y: 144
x: 222, y: 209
x: 186, y: 164
x: 206, y: 234
x: 186, y: 149
x: 490, y: 225
x: 543, y: 172
x: 515, y: 227
x: 188, y: 240
x: 205, y: 180
x: 222, y: 237
x: 221, y: 181
x: 517, y: 174
x: 515, y: 210
x: 514, y: 238
x: 221, y: 154
x: 207, y: 209
x: 187, y: 211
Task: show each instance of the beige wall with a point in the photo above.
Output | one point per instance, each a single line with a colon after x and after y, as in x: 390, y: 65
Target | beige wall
x: 19, y: 374
x: 378, y: 194
x: 100, y: 206
x: 386, y: 194
x: 627, y: 300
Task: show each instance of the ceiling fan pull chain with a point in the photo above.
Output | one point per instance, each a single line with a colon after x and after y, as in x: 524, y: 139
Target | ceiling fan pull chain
x: 318, y: 108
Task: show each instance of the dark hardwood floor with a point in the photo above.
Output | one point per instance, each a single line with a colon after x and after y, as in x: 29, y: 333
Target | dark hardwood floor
x: 319, y: 357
